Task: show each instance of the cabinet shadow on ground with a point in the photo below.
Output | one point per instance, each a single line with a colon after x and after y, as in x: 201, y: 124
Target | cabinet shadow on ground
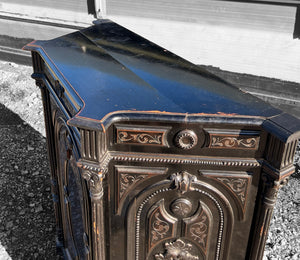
x: 27, y: 228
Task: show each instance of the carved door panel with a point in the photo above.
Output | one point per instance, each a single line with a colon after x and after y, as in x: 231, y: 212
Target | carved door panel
x: 180, y: 217
x: 71, y: 194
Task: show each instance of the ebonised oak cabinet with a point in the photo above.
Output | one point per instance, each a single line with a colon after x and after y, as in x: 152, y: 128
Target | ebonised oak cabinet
x: 151, y: 156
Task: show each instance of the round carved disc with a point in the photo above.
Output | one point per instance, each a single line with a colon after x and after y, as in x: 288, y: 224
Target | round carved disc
x: 186, y: 139
x: 181, y: 207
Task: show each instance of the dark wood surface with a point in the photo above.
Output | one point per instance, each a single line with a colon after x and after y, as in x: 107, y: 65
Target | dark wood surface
x: 144, y: 184
x: 146, y: 81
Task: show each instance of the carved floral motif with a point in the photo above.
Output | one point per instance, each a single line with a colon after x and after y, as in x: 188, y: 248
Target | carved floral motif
x: 178, y: 250
x: 128, y: 180
x: 181, y: 207
x: 160, y: 228
x: 197, y: 228
x: 234, y: 142
x: 186, y: 139
x: 238, y: 185
x: 199, y: 231
x: 135, y: 137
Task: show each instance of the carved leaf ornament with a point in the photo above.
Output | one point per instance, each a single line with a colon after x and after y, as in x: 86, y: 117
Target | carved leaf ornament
x: 238, y: 186
x: 128, y: 180
x: 199, y: 231
x: 233, y: 142
x: 177, y: 250
x: 141, y: 138
x: 159, y: 228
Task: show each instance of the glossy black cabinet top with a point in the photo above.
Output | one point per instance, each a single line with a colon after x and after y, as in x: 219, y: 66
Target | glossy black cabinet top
x: 109, y: 69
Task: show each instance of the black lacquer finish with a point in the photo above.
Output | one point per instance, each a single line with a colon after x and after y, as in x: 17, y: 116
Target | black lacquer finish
x: 151, y: 156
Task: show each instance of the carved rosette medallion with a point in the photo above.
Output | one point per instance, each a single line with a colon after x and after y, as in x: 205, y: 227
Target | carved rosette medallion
x: 177, y: 250
x: 186, y: 139
x: 181, y: 207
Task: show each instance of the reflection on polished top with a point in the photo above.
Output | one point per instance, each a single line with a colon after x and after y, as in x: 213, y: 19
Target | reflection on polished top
x: 109, y: 69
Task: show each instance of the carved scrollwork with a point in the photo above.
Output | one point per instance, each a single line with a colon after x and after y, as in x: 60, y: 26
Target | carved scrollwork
x: 128, y: 180
x: 160, y: 228
x: 141, y: 138
x: 144, y: 135
x: 237, y: 185
x: 197, y: 227
x: 183, y: 181
x: 199, y: 231
x: 179, y: 250
x: 161, y: 225
x: 234, y: 142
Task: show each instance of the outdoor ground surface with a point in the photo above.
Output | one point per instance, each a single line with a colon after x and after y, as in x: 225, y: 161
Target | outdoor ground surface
x: 27, y: 228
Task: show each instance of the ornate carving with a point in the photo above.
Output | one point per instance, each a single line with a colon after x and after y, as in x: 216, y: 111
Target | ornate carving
x: 234, y: 142
x: 238, y: 185
x: 140, y: 138
x: 272, y: 187
x: 161, y: 224
x: 183, y: 181
x: 138, y: 220
x: 95, y: 184
x: 129, y: 177
x: 233, y: 139
x: 221, y: 227
x: 197, y: 161
x: 160, y: 228
x: 94, y: 180
x: 199, y: 231
x: 197, y: 227
x: 157, y: 192
x: 177, y: 250
x: 128, y: 180
x: 181, y: 207
x: 89, y: 167
x: 143, y: 135
x: 186, y: 139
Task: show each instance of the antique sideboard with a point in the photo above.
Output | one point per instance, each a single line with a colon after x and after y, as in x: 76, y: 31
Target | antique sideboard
x: 151, y: 156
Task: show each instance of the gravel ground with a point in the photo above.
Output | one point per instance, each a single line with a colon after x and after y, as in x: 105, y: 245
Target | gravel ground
x: 26, y: 216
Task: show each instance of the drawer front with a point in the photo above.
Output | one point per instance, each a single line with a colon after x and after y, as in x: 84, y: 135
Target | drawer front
x: 188, y: 139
